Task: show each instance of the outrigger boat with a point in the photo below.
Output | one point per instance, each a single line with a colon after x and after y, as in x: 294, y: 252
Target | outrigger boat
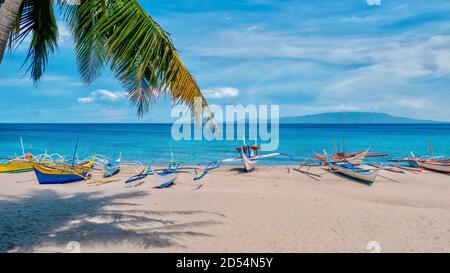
x: 437, y: 165
x: 352, y: 158
x: 60, y: 173
x: 352, y: 171
x: 17, y: 165
x: 249, y: 156
x: 410, y: 163
x: 434, y: 163
x: 165, y: 178
x: 111, y: 167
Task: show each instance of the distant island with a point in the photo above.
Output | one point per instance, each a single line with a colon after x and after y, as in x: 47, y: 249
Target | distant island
x: 352, y: 117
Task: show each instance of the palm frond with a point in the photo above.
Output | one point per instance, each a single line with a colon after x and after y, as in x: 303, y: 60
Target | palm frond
x: 36, y: 19
x: 140, y: 53
x: 91, y: 52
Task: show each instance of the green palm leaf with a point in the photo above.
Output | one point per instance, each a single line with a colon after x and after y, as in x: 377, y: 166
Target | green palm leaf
x: 141, y: 55
x: 37, y: 21
x: 91, y: 52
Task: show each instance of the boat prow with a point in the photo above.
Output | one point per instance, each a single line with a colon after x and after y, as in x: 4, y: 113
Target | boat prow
x: 352, y: 171
x: 111, y: 169
x: 356, y: 173
x: 16, y: 166
x: 353, y: 158
x: 249, y: 163
x: 164, y: 178
x: 442, y: 166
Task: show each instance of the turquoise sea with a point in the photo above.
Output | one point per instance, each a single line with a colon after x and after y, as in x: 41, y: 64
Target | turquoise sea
x: 150, y: 143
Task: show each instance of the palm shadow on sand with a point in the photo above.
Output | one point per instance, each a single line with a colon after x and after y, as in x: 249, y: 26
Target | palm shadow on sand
x: 45, y: 218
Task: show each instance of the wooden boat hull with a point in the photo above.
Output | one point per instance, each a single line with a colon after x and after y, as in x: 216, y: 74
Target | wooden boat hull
x: 249, y: 164
x: 16, y: 166
x: 355, y: 159
x: 367, y: 176
x: 434, y: 166
x: 412, y: 163
x: 165, y: 178
x: 111, y: 170
x: 60, y: 174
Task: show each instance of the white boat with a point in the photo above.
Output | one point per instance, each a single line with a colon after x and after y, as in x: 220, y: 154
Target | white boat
x: 248, y: 155
x: 354, y: 158
x: 249, y: 163
x: 355, y: 172
x: 357, y: 159
x: 164, y: 178
x: 442, y: 166
x: 352, y: 171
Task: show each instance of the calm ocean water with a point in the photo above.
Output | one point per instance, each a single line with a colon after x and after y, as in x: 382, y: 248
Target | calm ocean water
x: 150, y: 143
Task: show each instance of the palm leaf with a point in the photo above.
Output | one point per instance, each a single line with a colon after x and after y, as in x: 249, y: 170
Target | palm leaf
x: 36, y: 19
x: 91, y: 52
x: 141, y: 55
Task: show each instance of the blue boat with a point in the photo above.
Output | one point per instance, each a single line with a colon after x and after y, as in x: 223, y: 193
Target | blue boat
x: 61, y: 174
x: 165, y: 178
x: 352, y: 171
x: 111, y: 169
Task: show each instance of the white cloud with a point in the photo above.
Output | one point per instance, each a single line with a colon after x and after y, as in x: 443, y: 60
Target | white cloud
x: 345, y: 73
x: 221, y: 92
x: 297, y: 110
x: 414, y: 103
x: 103, y: 95
x: 407, y: 55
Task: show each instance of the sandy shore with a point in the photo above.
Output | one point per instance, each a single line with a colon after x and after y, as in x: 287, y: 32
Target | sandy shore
x: 270, y: 210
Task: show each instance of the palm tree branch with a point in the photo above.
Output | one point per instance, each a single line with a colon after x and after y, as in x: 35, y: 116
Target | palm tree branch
x: 141, y: 54
x: 36, y: 20
x: 91, y: 54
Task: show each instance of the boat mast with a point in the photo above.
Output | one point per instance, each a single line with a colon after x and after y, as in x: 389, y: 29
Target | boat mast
x: 23, y: 149
x: 75, y: 152
x: 430, y: 146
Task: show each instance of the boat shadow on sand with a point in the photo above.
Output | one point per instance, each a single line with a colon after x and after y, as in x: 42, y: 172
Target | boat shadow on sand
x: 239, y: 170
x: 47, y: 221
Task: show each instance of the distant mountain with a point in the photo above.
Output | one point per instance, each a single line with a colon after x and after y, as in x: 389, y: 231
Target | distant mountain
x: 352, y: 117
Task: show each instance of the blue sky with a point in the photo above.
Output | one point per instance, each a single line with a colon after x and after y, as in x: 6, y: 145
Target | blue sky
x: 307, y: 56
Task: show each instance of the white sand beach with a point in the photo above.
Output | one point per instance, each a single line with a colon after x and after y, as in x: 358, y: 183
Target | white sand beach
x: 269, y: 210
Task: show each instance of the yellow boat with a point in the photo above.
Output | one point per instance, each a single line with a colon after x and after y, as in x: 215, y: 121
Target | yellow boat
x: 17, y: 165
x: 60, y: 174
